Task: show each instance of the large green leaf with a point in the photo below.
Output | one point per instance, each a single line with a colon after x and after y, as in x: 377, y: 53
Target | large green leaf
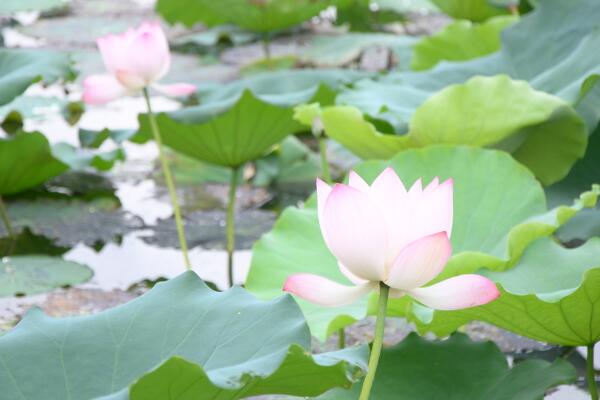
x: 553, y: 48
x: 474, y: 10
x: 496, y: 215
x: 180, y: 340
x: 25, y: 275
x: 244, y: 132
x: 254, y: 15
x: 21, y: 68
x: 551, y: 294
x: 240, y: 121
x: 26, y: 160
x: 459, y: 41
x: 458, y: 369
x: 541, y: 131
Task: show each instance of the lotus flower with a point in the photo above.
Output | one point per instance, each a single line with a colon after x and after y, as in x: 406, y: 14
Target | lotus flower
x: 135, y: 59
x: 384, y: 233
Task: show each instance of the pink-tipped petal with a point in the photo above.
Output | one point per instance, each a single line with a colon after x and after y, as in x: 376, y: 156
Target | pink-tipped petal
x: 355, y: 232
x: 149, y: 52
x: 463, y: 291
x: 351, y: 277
x: 420, y: 261
x: 357, y: 182
x: 325, y: 292
x: 390, y: 195
x: 100, y: 89
x: 175, y: 89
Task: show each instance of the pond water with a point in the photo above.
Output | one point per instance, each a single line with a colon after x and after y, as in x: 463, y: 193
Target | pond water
x: 146, y: 252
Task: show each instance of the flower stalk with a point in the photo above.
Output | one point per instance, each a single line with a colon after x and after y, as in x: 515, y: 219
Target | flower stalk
x: 169, y: 181
x: 591, y: 373
x: 6, y: 220
x: 324, y: 163
x: 384, y: 291
x: 230, y: 222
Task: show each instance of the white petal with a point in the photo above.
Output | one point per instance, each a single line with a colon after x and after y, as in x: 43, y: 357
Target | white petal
x: 355, y: 232
x: 351, y: 277
x: 357, y: 182
x: 389, y: 193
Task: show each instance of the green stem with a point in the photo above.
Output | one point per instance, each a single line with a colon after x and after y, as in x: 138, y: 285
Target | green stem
x: 6, y: 220
x: 514, y: 10
x: 231, y: 224
x: 591, y: 373
x: 384, y: 292
x: 267, y: 49
x: 170, y: 183
x: 324, y: 163
x: 341, y: 338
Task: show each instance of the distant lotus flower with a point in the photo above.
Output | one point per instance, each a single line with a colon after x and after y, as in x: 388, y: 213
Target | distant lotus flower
x: 135, y: 59
x: 384, y: 233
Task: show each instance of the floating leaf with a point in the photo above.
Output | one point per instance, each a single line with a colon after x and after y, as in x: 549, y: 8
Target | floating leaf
x: 495, y: 217
x: 474, y: 10
x: 338, y: 50
x: 69, y: 222
x: 180, y: 337
x: 14, y: 6
x: 220, y: 35
x: 94, y: 139
x: 551, y: 294
x: 254, y: 15
x: 457, y: 369
x: 26, y: 275
x: 541, y: 131
x: 459, y: 41
x: 78, y: 159
x: 21, y: 68
x: 36, y: 164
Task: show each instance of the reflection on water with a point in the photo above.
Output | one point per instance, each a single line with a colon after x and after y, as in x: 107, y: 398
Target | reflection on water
x: 566, y: 392
x: 120, y: 266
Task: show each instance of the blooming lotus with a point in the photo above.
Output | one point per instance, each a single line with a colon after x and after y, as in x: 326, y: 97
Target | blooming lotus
x: 383, y: 233
x: 135, y: 59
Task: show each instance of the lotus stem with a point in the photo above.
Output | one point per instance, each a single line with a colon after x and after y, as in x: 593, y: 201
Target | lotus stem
x: 341, y: 338
x: 170, y: 182
x: 591, y: 373
x: 324, y: 163
x: 384, y: 292
x: 266, y: 42
x: 6, y: 220
x: 231, y: 223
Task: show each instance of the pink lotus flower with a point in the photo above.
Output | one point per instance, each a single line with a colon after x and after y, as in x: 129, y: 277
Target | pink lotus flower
x: 384, y: 233
x: 136, y: 59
